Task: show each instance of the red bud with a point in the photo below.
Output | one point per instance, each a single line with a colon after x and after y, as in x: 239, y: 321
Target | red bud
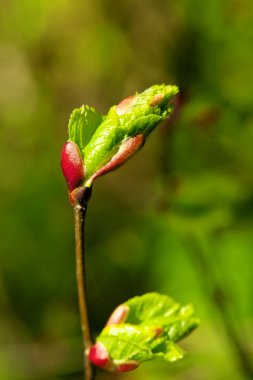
x: 98, y: 355
x: 72, y: 165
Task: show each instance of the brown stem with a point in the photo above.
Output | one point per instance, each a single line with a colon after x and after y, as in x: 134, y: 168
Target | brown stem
x: 80, y: 209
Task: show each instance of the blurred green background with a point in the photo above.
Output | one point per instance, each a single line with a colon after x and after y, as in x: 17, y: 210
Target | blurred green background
x: 176, y: 219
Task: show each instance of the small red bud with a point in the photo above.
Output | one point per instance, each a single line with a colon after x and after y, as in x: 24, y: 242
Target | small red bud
x: 118, y: 316
x: 72, y: 165
x: 98, y: 355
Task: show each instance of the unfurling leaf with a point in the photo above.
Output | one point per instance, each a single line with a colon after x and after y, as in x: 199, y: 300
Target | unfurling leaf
x: 105, y: 143
x: 82, y: 124
x: 143, y: 328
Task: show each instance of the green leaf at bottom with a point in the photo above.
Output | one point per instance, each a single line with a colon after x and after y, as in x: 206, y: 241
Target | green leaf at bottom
x: 152, y: 327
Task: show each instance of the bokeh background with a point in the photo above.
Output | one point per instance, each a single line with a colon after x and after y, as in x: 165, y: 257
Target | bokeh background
x: 176, y: 219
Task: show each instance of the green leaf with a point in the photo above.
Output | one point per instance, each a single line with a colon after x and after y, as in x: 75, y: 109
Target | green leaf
x: 138, y: 114
x: 172, y: 352
x: 152, y: 327
x: 149, y: 306
x: 126, y: 342
x: 83, y: 123
x: 107, y: 142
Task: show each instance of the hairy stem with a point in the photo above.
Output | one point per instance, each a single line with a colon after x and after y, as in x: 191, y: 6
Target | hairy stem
x: 80, y: 212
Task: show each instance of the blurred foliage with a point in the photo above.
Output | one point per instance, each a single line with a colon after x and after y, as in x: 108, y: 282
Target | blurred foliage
x: 176, y: 219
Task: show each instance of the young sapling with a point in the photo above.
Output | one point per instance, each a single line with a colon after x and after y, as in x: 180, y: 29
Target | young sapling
x: 145, y: 327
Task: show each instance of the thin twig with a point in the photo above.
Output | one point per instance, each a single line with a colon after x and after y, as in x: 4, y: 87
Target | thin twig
x: 80, y: 213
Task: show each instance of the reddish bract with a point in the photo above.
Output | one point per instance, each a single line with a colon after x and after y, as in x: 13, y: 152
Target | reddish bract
x: 118, y: 316
x: 123, y: 107
x: 157, y: 100
x: 126, y: 150
x: 126, y: 367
